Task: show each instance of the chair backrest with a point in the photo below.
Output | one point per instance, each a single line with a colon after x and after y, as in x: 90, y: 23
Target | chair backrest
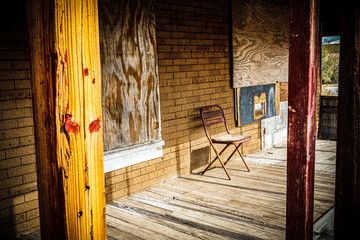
x: 211, y: 115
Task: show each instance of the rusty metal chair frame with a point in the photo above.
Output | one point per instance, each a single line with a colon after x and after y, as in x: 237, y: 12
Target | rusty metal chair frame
x: 214, y: 114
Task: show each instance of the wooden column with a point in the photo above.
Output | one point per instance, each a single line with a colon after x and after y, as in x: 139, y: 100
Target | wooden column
x: 303, y: 64
x: 65, y: 69
x: 347, y: 191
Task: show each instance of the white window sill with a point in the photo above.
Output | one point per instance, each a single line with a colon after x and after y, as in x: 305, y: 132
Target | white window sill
x: 125, y: 157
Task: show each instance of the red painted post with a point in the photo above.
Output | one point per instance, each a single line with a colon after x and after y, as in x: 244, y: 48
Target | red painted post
x: 303, y: 65
x: 347, y: 190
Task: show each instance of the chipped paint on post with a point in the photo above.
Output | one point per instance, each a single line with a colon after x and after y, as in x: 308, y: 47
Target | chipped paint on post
x: 303, y: 63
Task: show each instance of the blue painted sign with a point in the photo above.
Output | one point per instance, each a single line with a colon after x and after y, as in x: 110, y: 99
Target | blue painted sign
x: 247, y: 105
x: 330, y: 40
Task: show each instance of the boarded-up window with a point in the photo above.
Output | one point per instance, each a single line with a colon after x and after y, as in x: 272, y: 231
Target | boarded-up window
x: 260, y: 39
x: 130, y: 91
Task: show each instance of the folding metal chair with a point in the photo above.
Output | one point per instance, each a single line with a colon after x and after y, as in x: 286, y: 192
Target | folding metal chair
x: 214, y: 114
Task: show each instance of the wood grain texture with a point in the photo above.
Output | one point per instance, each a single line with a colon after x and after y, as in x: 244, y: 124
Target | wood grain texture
x: 283, y: 91
x: 68, y: 117
x: 260, y: 31
x: 250, y: 206
x: 78, y: 106
x: 130, y: 94
x: 51, y: 191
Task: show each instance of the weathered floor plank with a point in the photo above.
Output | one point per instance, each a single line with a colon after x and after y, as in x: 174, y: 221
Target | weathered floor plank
x: 250, y: 206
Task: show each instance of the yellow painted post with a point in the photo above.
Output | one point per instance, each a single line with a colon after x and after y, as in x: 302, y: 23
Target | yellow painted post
x: 69, y: 42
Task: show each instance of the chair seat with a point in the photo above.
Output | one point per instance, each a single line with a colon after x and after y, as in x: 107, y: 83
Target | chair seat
x: 229, y: 139
x: 214, y: 115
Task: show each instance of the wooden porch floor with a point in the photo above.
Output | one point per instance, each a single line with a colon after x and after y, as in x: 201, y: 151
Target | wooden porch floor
x: 250, y: 206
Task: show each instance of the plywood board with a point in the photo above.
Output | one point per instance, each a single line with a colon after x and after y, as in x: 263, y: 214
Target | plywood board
x: 260, y: 32
x: 130, y: 91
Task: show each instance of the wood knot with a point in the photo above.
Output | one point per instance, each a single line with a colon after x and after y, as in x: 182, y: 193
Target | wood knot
x: 95, y: 125
x: 86, y: 72
x: 71, y: 127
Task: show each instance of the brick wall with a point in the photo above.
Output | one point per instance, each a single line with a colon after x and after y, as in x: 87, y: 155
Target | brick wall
x: 194, y: 71
x: 18, y: 189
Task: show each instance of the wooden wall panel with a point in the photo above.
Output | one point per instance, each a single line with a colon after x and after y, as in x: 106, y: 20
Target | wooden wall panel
x: 328, y: 117
x: 260, y: 32
x: 283, y: 91
x: 130, y: 94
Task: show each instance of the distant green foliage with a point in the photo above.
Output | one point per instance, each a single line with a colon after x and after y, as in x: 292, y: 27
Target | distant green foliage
x: 330, y: 63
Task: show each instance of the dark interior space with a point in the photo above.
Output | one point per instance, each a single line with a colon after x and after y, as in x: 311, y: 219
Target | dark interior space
x: 330, y: 18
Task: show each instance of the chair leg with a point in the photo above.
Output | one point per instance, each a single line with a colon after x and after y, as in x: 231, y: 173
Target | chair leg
x: 223, y: 165
x: 218, y: 158
x: 215, y: 157
x: 237, y: 149
x: 228, y: 159
x: 209, y: 165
